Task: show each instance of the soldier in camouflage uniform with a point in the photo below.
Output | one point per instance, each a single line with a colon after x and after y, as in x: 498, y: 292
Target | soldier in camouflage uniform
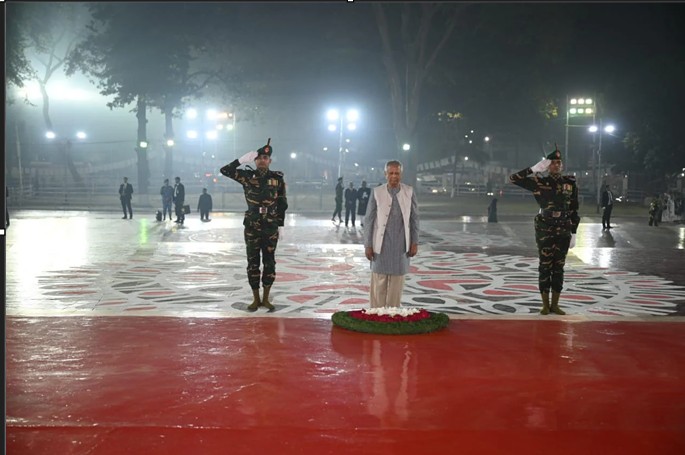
x: 555, y: 224
x: 266, y: 206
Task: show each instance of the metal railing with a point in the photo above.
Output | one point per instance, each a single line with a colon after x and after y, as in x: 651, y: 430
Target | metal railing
x: 224, y: 198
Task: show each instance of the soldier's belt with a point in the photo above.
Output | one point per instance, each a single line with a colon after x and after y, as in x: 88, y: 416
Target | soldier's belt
x: 262, y: 210
x: 555, y: 213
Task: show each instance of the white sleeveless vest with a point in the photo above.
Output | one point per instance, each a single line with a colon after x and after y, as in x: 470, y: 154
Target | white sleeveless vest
x: 383, y: 204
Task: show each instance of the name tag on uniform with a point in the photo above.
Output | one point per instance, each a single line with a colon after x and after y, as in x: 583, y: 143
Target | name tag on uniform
x: 273, y: 182
x: 568, y: 187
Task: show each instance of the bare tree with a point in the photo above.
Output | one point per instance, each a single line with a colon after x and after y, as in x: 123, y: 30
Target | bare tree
x: 411, y: 44
x: 51, y: 31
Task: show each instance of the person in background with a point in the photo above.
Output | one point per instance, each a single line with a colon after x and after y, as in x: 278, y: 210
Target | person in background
x: 350, y: 204
x: 179, y: 200
x: 492, y: 211
x: 655, y: 209
x: 669, y: 208
x: 338, y: 201
x: 363, y: 194
x: 607, y: 204
x: 204, y: 205
x: 125, y: 196
x: 167, y: 193
x: 391, y: 236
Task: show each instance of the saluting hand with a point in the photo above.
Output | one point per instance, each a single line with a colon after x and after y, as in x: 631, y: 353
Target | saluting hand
x: 248, y: 157
x: 541, y: 166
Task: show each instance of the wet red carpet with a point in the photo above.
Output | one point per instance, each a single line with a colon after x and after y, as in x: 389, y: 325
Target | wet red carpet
x: 153, y: 385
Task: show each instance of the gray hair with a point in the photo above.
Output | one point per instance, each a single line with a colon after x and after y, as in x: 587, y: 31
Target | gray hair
x: 393, y: 163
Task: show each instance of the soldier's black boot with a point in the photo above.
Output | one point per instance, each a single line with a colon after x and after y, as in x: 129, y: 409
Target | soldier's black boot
x: 555, y: 303
x: 545, y: 303
x: 255, y: 301
x: 265, y: 299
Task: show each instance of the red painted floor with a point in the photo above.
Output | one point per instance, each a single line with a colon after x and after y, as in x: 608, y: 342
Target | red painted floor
x: 155, y: 385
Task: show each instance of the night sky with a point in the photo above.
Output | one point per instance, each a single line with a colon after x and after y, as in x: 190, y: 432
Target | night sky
x: 307, y: 57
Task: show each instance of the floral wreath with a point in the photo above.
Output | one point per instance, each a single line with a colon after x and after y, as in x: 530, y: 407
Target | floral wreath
x: 391, y: 320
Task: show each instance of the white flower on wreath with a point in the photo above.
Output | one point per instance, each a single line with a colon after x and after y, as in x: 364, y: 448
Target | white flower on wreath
x: 391, y: 311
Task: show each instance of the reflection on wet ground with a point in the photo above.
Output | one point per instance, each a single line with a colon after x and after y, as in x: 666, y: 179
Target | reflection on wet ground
x: 97, y: 264
x: 194, y: 373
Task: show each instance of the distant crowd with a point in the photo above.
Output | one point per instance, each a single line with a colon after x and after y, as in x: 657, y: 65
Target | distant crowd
x: 666, y: 208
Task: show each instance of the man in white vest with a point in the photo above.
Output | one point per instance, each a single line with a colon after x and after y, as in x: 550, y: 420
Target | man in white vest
x: 391, y: 236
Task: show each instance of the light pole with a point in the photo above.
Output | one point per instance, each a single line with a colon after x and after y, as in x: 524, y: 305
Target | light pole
x: 65, y: 145
x: 230, y: 118
x: 582, y: 107
x: 594, y: 129
x: 210, y: 126
x: 335, y: 119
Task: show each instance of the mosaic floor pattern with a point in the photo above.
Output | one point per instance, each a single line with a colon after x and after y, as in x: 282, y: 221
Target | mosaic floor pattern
x: 321, y: 269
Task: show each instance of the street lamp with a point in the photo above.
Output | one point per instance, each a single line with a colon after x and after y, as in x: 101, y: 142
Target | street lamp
x: 577, y: 107
x: 594, y: 129
x: 229, y: 118
x: 208, y: 126
x: 337, y: 123
x: 65, y: 145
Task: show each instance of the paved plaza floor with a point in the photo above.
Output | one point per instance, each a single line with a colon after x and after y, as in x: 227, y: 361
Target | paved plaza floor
x: 131, y: 336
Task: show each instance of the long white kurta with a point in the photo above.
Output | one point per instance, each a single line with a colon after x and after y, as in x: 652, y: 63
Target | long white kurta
x: 393, y: 259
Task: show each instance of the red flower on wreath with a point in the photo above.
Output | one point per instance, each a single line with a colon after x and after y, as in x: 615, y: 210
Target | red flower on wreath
x: 361, y: 314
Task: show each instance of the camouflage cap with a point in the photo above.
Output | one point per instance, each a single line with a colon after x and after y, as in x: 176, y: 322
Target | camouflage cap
x: 266, y: 150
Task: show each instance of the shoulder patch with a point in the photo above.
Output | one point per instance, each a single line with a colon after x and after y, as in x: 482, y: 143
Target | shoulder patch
x: 277, y: 173
x: 570, y: 178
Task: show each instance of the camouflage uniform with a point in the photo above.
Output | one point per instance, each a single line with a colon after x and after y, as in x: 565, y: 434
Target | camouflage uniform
x: 266, y: 206
x: 557, y: 196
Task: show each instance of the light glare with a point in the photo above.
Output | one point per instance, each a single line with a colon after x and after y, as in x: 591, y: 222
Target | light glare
x: 332, y: 115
